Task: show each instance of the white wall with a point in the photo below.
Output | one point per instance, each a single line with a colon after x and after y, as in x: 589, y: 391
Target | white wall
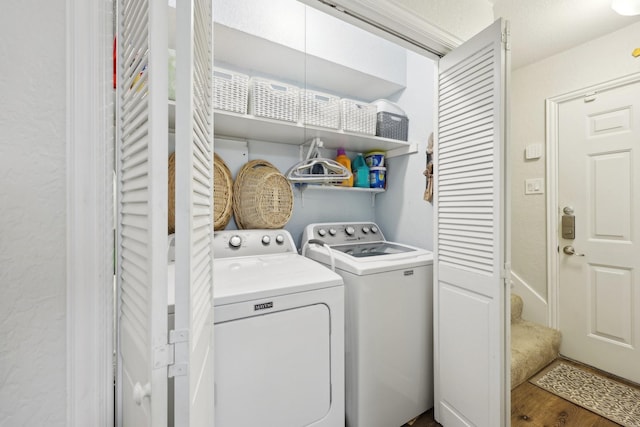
x: 33, y: 214
x: 401, y: 211
x: 462, y: 18
x: 597, y: 61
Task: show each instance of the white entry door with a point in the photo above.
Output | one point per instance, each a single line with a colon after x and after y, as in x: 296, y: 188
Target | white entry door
x: 599, y: 269
x: 471, y: 251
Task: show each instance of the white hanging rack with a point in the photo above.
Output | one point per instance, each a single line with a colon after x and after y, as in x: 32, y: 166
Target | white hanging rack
x: 315, y: 169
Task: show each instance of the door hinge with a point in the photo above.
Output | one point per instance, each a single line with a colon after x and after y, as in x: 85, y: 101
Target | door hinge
x: 162, y: 356
x: 177, y: 367
x: 506, y: 274
x: 506, y: 36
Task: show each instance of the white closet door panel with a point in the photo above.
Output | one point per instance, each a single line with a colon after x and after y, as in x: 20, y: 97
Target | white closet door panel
x: 194, y: 400
x: 142, y: 213
x: 470, y: 255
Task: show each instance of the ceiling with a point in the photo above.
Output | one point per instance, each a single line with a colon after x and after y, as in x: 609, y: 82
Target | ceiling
x: 541, y: 28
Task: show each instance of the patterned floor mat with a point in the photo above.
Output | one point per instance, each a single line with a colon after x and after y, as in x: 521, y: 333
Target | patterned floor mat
x: 604, y: 396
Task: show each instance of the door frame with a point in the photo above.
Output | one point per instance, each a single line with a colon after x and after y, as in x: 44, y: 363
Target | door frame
x: 553, y: 171
x: 392, y: 22
x: 89, y: 218
x: 89, y: 347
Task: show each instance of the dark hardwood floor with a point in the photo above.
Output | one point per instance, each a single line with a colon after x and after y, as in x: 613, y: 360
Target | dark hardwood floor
x: 532, y: 406
x: 424, y: 420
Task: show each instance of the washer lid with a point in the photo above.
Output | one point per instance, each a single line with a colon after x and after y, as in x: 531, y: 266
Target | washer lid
x: 371, y: 258
x: 256, y: 277
x: 364, y: 250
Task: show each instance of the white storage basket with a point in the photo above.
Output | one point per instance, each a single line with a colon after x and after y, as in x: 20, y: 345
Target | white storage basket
x: 230, y: 91
x: 320, y: 109
x: 273, y: 100
x: 358, y: 116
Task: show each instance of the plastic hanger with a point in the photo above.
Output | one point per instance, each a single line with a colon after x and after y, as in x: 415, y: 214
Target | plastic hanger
x: 316, y: 169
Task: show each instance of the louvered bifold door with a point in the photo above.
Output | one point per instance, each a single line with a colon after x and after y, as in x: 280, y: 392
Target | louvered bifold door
x: 469, y: 291
x: 141, y: 147
x: 193, y: 335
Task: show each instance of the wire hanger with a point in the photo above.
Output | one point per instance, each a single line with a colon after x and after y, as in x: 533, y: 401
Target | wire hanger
x: 316, y: 169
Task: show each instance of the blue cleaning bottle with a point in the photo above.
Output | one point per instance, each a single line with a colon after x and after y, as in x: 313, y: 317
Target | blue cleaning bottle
x: 360, y: 172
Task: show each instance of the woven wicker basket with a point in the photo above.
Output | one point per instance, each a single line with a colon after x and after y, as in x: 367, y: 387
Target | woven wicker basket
x: 230, y: 91
x: 222, y: 193
x: 262, y: 197
x: 273, y: 100
x: 358, y: 117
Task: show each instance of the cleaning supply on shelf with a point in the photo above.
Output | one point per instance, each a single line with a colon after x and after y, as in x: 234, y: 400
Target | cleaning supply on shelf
x: 377, y: 177
x: 360, y: 172
x: 375, y: 158
x: 346, y: 162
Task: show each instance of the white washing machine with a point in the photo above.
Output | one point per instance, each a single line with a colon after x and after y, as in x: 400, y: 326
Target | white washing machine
x: 388, y: 320
x: 279, y: 334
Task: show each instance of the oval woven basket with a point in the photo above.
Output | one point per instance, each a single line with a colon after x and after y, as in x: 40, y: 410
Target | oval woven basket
x: 262, y: 197
x: 222, y: 193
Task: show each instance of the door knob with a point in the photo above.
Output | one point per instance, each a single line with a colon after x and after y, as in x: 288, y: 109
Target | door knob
x: 140, y: 392
x: 569, y: 250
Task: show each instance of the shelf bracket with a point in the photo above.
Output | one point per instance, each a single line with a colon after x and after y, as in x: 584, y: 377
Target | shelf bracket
x: 402, y: 151
x: 301, y: 188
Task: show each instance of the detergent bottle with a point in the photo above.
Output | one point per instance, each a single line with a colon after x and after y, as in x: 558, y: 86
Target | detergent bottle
x: 346, y: 162
x: 360, y: 172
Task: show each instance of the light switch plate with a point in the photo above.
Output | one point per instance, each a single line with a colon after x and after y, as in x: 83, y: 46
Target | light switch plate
x: 533, y: 151
x: 533, y: 186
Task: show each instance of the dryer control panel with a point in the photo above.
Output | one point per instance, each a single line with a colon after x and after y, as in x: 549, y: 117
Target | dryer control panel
x: 239, y: 243
x: 337, y: 233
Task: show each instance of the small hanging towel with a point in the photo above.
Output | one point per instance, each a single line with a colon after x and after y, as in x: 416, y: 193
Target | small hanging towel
x: 428, y: 192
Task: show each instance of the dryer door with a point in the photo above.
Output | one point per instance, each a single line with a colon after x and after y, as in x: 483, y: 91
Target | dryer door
x: 274, y: 369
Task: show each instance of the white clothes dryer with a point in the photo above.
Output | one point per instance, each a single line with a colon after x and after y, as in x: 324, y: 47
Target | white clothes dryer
x: 388, y: 320
x: 279, y: 334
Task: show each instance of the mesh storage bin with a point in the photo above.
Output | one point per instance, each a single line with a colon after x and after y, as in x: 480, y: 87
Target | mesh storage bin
x: 273, y: 100
x: 230, y: 91
x: 358, y: 116
x: 319, y: 109
x: 394, y: 126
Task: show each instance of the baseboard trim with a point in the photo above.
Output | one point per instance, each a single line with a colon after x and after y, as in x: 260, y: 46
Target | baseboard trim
x: 535, y: 308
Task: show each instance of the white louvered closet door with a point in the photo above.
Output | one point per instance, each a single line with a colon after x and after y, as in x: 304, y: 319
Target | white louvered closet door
x: 193, y: 335
x: 471, y: 230
x: 141, y: 147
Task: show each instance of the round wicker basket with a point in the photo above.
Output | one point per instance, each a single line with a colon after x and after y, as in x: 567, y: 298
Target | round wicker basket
x: 262, y: 197
x: 222, y: 193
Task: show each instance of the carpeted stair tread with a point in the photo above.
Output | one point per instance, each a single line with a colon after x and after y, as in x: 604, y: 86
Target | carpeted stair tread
x: 516, y: 307
x: 533, y: 346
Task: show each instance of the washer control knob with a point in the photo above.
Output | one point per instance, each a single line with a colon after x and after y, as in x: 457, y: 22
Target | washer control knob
x: 279, y: 239
x: 365, y: 229
x: 235, y: 241
x: 374, y: 229
x: 350, y: 230
x: 322, y: 232
x: 266, y: 239
x: 332, y: 231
